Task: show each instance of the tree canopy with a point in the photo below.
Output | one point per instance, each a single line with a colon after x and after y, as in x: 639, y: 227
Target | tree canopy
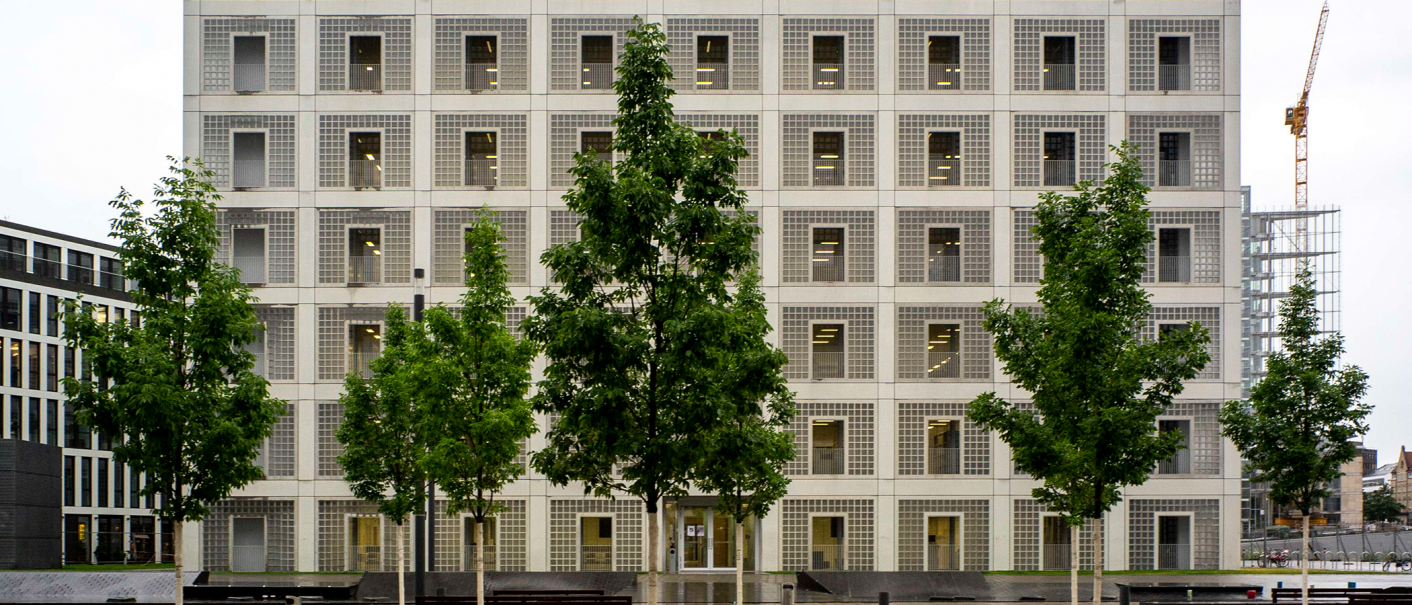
x: 1097, y: 384
x: 176, y: 392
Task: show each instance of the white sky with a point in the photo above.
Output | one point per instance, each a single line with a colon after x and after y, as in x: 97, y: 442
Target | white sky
x: 93, y: 102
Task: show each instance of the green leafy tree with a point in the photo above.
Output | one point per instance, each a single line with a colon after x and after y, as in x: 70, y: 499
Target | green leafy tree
x: 1097, y: 385
x: 635, y: 370
x: 176, y: 392
x: 1299, y: 425
x: 1381, y: 505
x: 473, y: 380
x: 743, y: 463
x: 383, y: 445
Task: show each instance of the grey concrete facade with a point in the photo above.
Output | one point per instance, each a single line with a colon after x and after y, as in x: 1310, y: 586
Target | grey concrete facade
x: 1004, y: 109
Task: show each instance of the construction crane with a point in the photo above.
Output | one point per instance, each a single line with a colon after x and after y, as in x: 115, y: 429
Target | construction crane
x: 1297, y: 118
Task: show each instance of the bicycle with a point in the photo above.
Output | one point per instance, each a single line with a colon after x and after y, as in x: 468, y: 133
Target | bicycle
x: 1400, y: 562
x: 1275, y: 558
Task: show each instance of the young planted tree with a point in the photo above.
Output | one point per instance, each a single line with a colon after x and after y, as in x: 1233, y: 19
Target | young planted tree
x: 474, y: 380
x: 383, y: 446
x: 1297, y: 429
x: 743, y: 462
x: 1097, y: 384
x: 634, y: 341
x: 176, y: 392
x: 1381, y: 505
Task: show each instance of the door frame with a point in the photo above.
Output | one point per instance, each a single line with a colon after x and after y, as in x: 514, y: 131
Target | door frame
x: 264, y: 540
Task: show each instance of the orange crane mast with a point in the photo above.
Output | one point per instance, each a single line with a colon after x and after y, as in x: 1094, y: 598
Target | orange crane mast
x: 1297, y: 118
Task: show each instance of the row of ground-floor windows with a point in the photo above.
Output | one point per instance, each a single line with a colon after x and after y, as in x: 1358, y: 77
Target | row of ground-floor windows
x: 696, y: 537
x: 104, y: 539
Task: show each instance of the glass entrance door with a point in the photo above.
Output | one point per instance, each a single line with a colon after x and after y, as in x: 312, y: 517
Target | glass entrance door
x: 707, y: 540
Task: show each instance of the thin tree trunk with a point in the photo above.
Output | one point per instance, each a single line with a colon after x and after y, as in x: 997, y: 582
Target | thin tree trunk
x: 176, y: 558
x: 1073, y: 564
x: 480, y: 562
x: 1304, y: 565
x: 1098, y: 560
x: 653, y: 532
x: 739, y: 562
x: 401, y: 564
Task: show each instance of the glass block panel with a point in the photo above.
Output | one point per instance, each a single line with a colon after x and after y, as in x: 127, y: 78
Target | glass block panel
x: 912, y: 418
x: 280, y: 238
x: 860, y: 51
x: 1206, y: 161
x: 629, y: 537
x: 859, y: 435
x: 912, y: 532
x: 744, y: 61
x: 795, y: 339
x: 511, y: 133
x: 912, y: 64
x: 797, y: 144
x: 396, y: 34
x: 511, y: 50
x: 217, y: 55
x: 1092, y: 144
x: 278, y: 518
x: 860, y: 531
x: 396, y: 146
x: 396, y: 227
x: 1092, y: 42
x: 1205, y: 60
x: 976, y: 357
x: 913, y: 232
x: 280, y: 151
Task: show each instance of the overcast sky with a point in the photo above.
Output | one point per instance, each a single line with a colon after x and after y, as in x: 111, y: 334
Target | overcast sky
x: 94, y: 103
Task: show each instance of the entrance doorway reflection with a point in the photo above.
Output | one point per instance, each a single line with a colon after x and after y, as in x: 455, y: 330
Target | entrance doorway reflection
x: 705, y: 540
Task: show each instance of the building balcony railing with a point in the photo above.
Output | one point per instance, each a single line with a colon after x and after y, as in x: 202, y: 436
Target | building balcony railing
x: 360, y: 363
x: 943, y: 364
x: 827, y: 461
x: 1174, y: 77
x: 365, y: 558
x: 943, y: 461
x: 597, y: 76
x: 828, y: 76
x: 1059, y: 76
x: 12, y: 261
x: 713, y: 76
x: 482, y: 76
x: 1055, y: 557
x: 944, y: 268
x: 826, y: 557
x: 1173, y: 556
x: 826, y: 365
x: 365, y: 77
x: 51, y: 269
x: 247, y: 173
x: 470, y: 557
x: 943, y: 557
x: 482, y: 173
x: 111, y: 281
x: 1178, y: 464
x: 943, y: 171
x: 80, y: 274
x: 1060, y: 173
x: 1174, y: 173
x: 248, y: 77
x: 827, y: 270
x: 365, y: 174
x: 1175, y: 269
x: 944, y: 76
x: 595, y: 558
x: 364, y: 270
x: 828, y: 172
x: 252, y: 268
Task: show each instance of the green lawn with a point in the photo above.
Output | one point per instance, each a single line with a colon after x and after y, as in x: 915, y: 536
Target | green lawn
x: 107, y: 567
x: 1187, y: 572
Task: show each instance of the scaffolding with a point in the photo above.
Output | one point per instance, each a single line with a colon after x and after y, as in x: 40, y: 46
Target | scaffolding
x: 1275, y: 244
